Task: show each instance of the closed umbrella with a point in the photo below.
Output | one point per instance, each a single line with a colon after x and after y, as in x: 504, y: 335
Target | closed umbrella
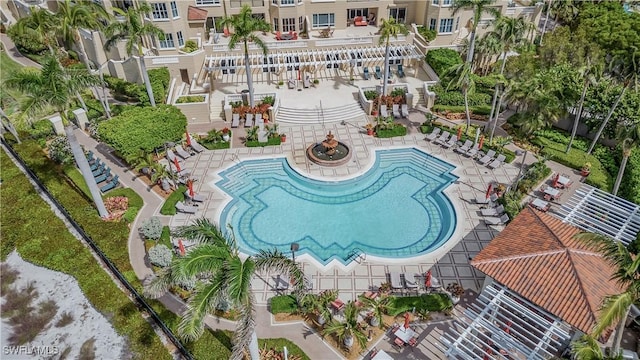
x: 190, y: 185
x: 177, y: 164
x: 481, y: 142
x: 406, y: 320
x: 555, y: 180
x: 475, y: 141
x: 181, y: 247
x: 459, y: 133
x: 427, y: 280
x: 488, y: 194
x: 188, y: 139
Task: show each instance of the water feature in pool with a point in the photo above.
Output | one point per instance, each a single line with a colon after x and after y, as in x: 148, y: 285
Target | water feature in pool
x: 397, y: 209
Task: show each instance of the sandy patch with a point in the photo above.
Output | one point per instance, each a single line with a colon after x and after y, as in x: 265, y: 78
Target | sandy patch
x: 87, y: 326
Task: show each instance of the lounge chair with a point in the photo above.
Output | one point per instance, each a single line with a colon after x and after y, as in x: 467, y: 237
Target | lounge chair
x: 383, y: 111
x: 365, y: 73
x: 99, y: 170
x: 487, y: 158
x: 196, y: 147
x: 404, y: 109
x: 196, y: 197
x: 111, y: 184
x: 307, y: 82
x: 258, y: 118
x: 90, y: 157
x: 472, y: 152
x: 280, y: 283
x: 378, y: 74
x: 235, y: 122
x: 248, y: 122
x: 466, y: 147
x: 497, y: 162
x: 483, y: 200
x: 171, y: 156
x: 452, y: 141
x: 95, y: 165
x: 443, y: 138
x: 105, y: 175
x: 182, y: 153
x: 396, y: 281
x: 496, y: 211
x: 435, y: 283
x: 434, y: 133
x: 410, y: 281
x: 496, y: 220
x: 183, y: 173
x: 400, y: 71
x: 184, y: 208
x: 338, y: 305
x: 291, y: 83
x: 396, y: 110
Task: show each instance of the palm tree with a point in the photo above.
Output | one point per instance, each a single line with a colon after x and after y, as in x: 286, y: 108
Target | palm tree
x: 591, y: 73
x: 565, y: 10
x: 588, y: 348
x: 379, y: 306
x: 39, y: 26
x: 244, y: 26
x: 133, y: 30
x: 348, y: 329
x: 463, y: 80
x: 54, y: 86
x: 615, y: 308
x: 316, y: 306
x: 478, y: 7
x: 629, y: 139
x: 389, y: 28
x: 227, y: 278
x: 488, y: 47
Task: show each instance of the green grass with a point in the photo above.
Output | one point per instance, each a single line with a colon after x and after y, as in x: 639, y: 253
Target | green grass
x: 270, y: 141
x: 165, y: 237
x: 396, y: 130
x: 284, y: 304
x: 216, y: 145
x: 9, y: 67
x: 169, y: 206
x: 430, y: 302
x: 279, y: 344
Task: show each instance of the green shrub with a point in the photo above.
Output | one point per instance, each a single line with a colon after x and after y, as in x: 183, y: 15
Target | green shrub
x: 41, y: 129
x: 129, y: 216
x: 270, y: 141
x: 190, y: 99
x: 165, y: 237
x: 169, y: 206
x: 442, y: 60
x: 269, y: 100
x: 426, y: 33
x: 478, y: 110
x: 26, y: 42
x: 370, y: 94
x: 630, y: 187
x: 144, y: 128
x: 456, y: 98
x: 159, y: 79
x: 396, y: 130
x: 160, y: 255
x: 190, y: 46
x: 398, y: 92
x: 429, y: 302
x: 151, y: 228
x: 126, y: 91
x: 279, y: 344
x: 284, y: 304
x: 60, y: 150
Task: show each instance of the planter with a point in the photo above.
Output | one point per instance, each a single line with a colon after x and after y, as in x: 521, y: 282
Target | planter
x: 374, y: 321
x: 164, y: 184
x: 585, y: 172
x: 348, y: 341
x: 225, y: 137
x: 370, y: 132
x: 283, y: 138
x: 321, y: 320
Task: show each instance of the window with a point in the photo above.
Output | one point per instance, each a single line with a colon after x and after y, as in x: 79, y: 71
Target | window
x: 287, y: 2
x: 435, y: 2
x: 446, y: 2
x: 276, y: 26
x: 399, y: 14
x: 167, y: 42
x: 457, y: 22
x: 301, y: 23
x: 288, y: 24
x: 207, y: 2
x: 180, y: 39
x: 351, y: 13
x: 160, y: 11
x: 446, y: 26
x: 174, y: 9
x: 274, y: 2
x: 324, y: 20
x: 432, y: 24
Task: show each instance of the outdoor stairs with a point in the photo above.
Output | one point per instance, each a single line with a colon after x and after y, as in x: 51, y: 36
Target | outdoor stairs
x: 418, y: 98
x: 216, y: 109
x: 320, y: 115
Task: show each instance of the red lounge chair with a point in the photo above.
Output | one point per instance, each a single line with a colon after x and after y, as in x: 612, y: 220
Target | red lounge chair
x: 360, y: 21
x: 278, y: 35
x: 337, y: 304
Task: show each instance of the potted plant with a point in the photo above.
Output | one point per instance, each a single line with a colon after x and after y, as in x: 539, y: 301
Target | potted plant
x: 225, y: 134
x: 280, y: 83
x: 369, y: 128
x: 283, y: 137
x: 351, y: 80
x: 316, y: 81
x: 586, y: 169
x: 455, y: 292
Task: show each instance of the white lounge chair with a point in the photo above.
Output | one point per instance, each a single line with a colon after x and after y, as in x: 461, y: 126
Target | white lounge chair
x: 482, y: 200
x: 182, y: 207
x: 197, y: 147
x: 396, y: 280
x: 443, y: 138
x: 383, y: 111
x: 280, y: 283
x: 434, y: 133
x: 182, y: 152
x: 466, y: 147
x: 410, y: 281
x: 405, y: 110
x: 248, y: 122
x: 452, y: 141
x: 171, y: 156
x: 496, y: 220
x: 396, y: 110
x: 235, y: 122
x: 307, y: 82
x: 496, y: 211
x: 497, y: 162
x: 291, y: 83
x: 487, y: 158
x: 473, y: 152
x: 258, y: 119
x: 196, y: 197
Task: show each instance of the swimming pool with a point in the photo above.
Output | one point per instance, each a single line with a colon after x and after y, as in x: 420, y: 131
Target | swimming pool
x: 397, y: 209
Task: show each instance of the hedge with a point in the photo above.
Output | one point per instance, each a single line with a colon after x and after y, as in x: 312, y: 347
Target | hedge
x: 169, y: 206
x: 286, y: 304
x: 429, y: 302
x: 190, y: 99
x: 143, y: 128
x: 127, y: 91
x: 270, y: 141
x: 478, y: 110
x: 456, y: 98
x: 630, y: 187
x: 396, y: 130
x: 442, y: 60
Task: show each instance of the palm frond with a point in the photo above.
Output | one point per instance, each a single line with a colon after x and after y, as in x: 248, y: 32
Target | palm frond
x: 203, y: 302
x: 202, y: 231
x: 245, y: 328
x: 614, y: 309
x: 202, y: 259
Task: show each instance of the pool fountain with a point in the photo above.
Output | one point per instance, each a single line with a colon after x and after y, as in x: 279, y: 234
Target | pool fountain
x: 329, y: 152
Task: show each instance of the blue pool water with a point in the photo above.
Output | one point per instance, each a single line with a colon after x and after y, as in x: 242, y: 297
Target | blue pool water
x: 394, y: 210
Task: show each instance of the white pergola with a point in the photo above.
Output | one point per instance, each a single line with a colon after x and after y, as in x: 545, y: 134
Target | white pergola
x: 500, y: 324
x: 600, y: 212
x: 310, y: 60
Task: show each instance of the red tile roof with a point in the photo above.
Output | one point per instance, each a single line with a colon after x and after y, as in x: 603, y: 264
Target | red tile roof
x: 196, y: 14
x: 537, y: 257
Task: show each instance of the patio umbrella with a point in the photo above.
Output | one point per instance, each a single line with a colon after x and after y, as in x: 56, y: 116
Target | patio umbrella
x: 406, y: 320
x: 177, y: 164
x: 188, y: 139
x: 481, y: 142
x: 475, y: 141
x: 459, y: 133
x: 488, y: 194
x: 555, y: 180
x: 299, y: 77
x: 427, y: 279
x: 181, y: 247
x: 190, y: 185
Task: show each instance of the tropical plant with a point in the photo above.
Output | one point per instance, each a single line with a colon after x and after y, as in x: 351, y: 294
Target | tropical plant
x: 160, y: 255
x: 60, y: 151
x: 349, y: 329
x: 441, y: 60
x: 143, y: 162
x: 626, y: 272
x: 244, y: 27
x: 479, y: 7
x: 226, y: 279
x: 316, y: 306
x: 133, y: 29
x: 389, y: 28
x: 588, y: 348
x: 488, y: 46
x: 151, y: 228
x: 591, y: 74
x: 37, y: 28
x: 379, y: 306
x: 54, y: 86
x: 464, y: 81
x: 629, y: 139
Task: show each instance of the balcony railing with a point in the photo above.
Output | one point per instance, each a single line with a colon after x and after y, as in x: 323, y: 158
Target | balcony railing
x: 253, y: 3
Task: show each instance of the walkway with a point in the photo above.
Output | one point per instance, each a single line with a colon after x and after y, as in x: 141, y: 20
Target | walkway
x: 14, y: 54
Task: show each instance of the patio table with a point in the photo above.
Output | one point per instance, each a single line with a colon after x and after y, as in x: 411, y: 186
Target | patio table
x: 540, y: 204
x: 564, y: 181
x: 553, y: 193
x: 405, y: 334
x: 381, y: 355
x: 286, y: 36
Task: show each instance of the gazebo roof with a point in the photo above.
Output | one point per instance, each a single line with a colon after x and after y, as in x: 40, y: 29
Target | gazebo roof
x: 195, y: 13
x: 537, y: 257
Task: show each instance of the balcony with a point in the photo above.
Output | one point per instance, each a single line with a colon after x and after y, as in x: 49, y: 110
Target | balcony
x: 239, y: 3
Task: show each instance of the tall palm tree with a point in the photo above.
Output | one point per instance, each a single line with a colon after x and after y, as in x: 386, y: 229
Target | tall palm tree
x: 478, y: 7
x: 244, y: 27
x: 629, y: 139
x: 463, y: 80
x: 615, y: 308
x: 227, y: 278
x: 389, y: 28
x: 349, y: 329
x: 379, y: 306
x: 54, y: 86
x: 488, y: 47
x: 133, y: 30
x: 588, y: 348
x: 590, y: 72
x: 40, y: 26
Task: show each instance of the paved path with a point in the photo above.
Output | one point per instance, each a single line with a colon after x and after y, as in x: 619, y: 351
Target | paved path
x: 14, y: 54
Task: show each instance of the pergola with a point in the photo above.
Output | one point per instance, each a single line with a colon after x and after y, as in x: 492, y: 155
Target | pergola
x: 500, y: 324
x: 600, y: 212
x: 310, y: 60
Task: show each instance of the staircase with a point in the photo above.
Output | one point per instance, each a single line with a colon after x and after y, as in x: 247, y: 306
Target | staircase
x: 463, y: 34
x: 216, y: 109
x: 418, y: 98
x: 320, y: 115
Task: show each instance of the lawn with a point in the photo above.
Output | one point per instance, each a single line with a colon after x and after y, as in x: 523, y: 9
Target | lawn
x: 9, y: 67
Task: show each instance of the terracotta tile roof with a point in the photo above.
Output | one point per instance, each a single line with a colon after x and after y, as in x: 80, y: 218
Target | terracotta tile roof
x: 196, y: 14
x: 537, y: 257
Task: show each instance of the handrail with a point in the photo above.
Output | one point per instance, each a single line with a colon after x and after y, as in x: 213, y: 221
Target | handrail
x: 138, y: 299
